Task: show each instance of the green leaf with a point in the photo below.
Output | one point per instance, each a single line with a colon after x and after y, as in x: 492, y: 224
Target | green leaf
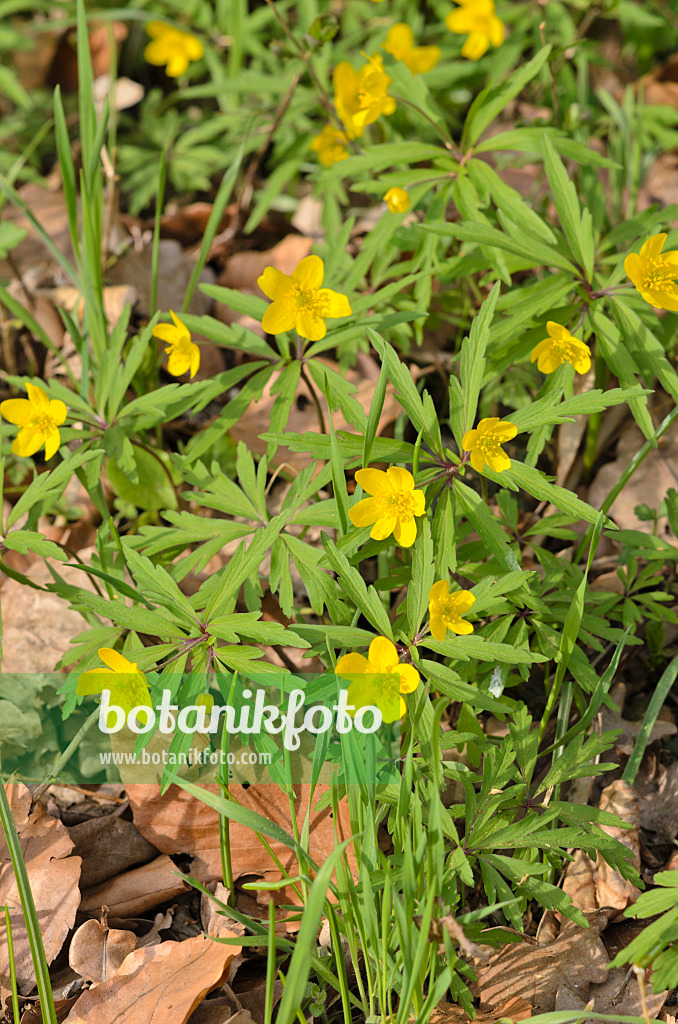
x: 477, y: 647
x: 486, y: 524
x: 532, y: 251
x: 449, y: 683
x: 363, y: 597
x: 423, y: 575
x: 492, y: 100
x: 473, y: 356
x: 616, y: 355
x: 245, y: 560
x: 578, y: 230
x: 536, y: 484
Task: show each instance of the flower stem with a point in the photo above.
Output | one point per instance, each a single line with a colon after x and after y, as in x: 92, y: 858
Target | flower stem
x: 314, y: 395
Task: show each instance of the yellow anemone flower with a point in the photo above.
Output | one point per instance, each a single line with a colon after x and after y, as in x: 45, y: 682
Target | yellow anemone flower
x: 184, y: 355
x: 38, y: 419
x: 127, y: 684
x: 398, y: 200
x: 378, y: 679
x: 446, y: 610
x: 400, y: 44
x: 330, y: 146
x: 478, y: 19
x: 172, y: 48
x: 561, y: 347
x: 392, y: 507
x: 654, y: 275
x: 360, y: 96
x: 484, y: 443
x: 299, y: 302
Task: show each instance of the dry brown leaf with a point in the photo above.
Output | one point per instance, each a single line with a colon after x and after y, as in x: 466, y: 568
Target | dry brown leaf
x: 576, y: 959
x: 97, y: 951
x: 213, y: 919
x: 514, y: 1009
x: 303, y: 416
x: 612, y: 890
x: 33, y: 1014
x: 214, y: 1011
x: 612, y: 998
x: 53, y: 876
x: 252, y: 997
x: 579, y: 882
x: 134, y: 892
x: 38, y: 625
x: 626, y: 739
x: 178, y: 823
x: 108, y: 845
x: 158, y: 985
x: 659, y: 810
x: 647, y: 486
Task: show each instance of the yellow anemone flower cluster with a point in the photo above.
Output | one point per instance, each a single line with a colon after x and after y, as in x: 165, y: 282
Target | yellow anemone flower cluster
x: 330, y: 146
x: 38, y: 420
x: 299, y: 302
x: 128, y: 686
x: 171, y: 48
x: 361, y: 96
x: 400, y: 44
x: 392, y: 507
x: 398, y: 200
x: 561, y: 347
x: 655, y: 273
x: 378, y: 679
x: 184, y: 354
x: 477, y: 20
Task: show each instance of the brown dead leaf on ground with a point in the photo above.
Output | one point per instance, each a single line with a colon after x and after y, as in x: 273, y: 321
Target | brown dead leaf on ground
x: 614, y: 997
x: 648, y: 485
x: 219, y: 1011
x: 659, y: 809
x: 178, y: 823
x: 303, y: 415
x: 514, y: 1008
x: 134, y: 892
x: 612, y: 889
x: 613, y: 720
x: 37, y: 624
x: 108, y: 845
x: 97, y: 951
x: 580, y: 882
x: 53, y: 874
x: 158, y: 985
x: 576, y: 959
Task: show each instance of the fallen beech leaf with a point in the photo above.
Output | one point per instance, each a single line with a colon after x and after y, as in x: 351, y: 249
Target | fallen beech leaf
x: 161, y: 922
x: 659, y: 810
x: 252, y: 997
x: 579, y: 882
x: 157, y: 985
x: 136, y: 891
x: 178, y: 823
x: 514, y: 1009
x: 53, y: 876
x: 624, y: 1000
x: 213, y: 919
x: 576, y: 959
x: 33, y: 1014
x: 108, y: 845
x: 213, y: 1011
x: 303, y: 416
x: 612, y: 890
x: 625, y: 742
x: 97, y: 951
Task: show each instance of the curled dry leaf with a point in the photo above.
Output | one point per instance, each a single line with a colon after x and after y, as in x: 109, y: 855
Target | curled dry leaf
x: 108, y: 845
x: 659, y: 810
x: 577, y: 959
x: 158, y: 985
x: 53, y: 875
x: 612, y: 890
x: 136, y: 891
x: 178, y: 823
x: 97, y: 951
x: 513, y: 1009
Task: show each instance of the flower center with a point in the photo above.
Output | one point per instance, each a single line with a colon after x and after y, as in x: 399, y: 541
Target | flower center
x: 400, y: 504
x: 660, y: 274
x: 306, y: 300
x: 488, y: 443
x: 43, y: 422
x: 566, y: 351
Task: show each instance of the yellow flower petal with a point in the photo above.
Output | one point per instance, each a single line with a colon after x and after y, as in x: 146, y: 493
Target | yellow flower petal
x: 383, y: 656
x: 438, y: 627
x: 37, y: 397
x: 384, y: 526
x: 309, y: 272
x: 400, y: 479
x: 409, y: 679
x: 52, y: 441
x: 364, y: 513
x: 337, y: 304
x: 115, y: 661
x: 374, y: 481
x: 310, y: 326
x: 278, y: 318
x: 17, y: 411
x: 653, y: 246
x: 405, y: 532
x: 28, y: 441
x: 351, y: 664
